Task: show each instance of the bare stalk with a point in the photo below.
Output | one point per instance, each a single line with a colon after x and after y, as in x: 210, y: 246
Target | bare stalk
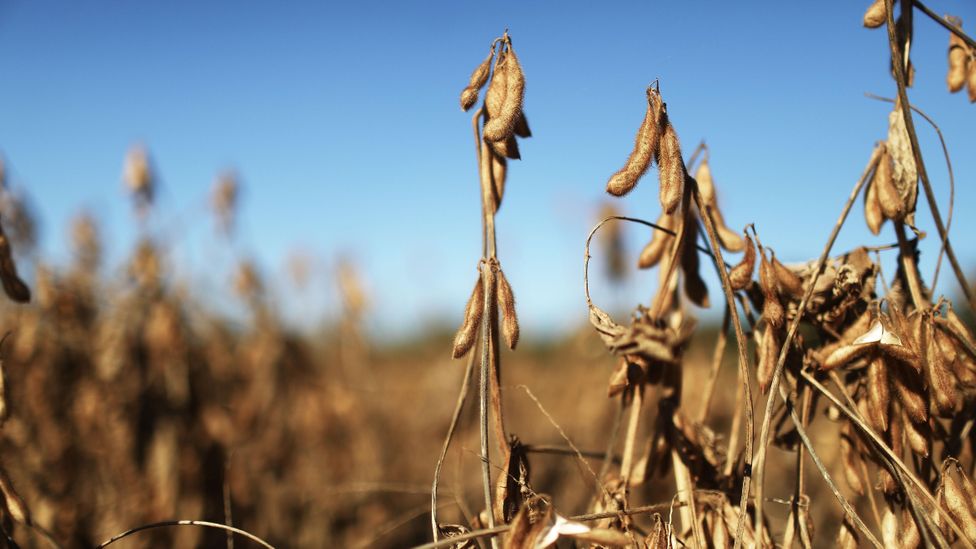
x: 743, y: 356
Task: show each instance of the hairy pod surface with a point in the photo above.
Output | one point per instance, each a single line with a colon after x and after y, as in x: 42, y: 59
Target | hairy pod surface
x: 879, y: 394
x: 741, y: 274
x: 467, y: 334
x: 501, y: 125
x: 787, y: 280
x: 772, y: 309
x: 671, y: 169
x: 873, y: 215
x: 958, y: 58
x: 768, y: 355
x: 506, y: 304
x: 695, y: 287
x: 645, y: 148
x: 874, y: 17
x: 660, y: 243
x: 469, y: 95
x: 499, y: 171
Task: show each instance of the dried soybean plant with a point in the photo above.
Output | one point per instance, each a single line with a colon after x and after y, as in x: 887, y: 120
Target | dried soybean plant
x: 491, y: 308
x: 652, y: 346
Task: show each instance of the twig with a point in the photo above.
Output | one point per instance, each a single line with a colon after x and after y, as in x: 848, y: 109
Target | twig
x: 743, y: 356
x: 562, y: 433
x: 458, y: 406
x: 228, y: 506
x: 447, y: 542
x: 202, y: 523
x: 564, y: 451
x: 951, y: 28
x: 952, y: 179
x: 917, y: 152
x: 795, y: 323
x: 487, y: 279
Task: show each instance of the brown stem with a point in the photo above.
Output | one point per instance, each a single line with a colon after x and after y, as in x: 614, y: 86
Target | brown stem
x: 488, y: 281
x: 909, y: 267
x: 795, y: 323
x: 917, y: 152
x: 743, y: 356
x: 458, y: 406
x: 951, y: 28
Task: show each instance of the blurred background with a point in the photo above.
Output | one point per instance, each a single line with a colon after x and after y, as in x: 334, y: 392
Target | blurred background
x: 247, y: 339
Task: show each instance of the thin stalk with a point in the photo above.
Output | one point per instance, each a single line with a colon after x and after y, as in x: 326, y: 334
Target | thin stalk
x: 743, y: 356
x: 458, y: 407
x: 917, y: 152
x: 795, y: 323
x: 488, y: 280
x: 909, y: 267
x: 951, y: 28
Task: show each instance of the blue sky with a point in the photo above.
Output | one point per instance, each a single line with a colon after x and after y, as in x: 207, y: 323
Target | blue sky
x: 344, y: 124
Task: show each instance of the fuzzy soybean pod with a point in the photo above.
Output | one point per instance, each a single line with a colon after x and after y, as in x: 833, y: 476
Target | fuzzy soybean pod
x: 659, y: 244
x: 499, y: 171
x: 971, y: 81
x: 772, y: 309
x: 741, y: 275
x: 479, y: 77
x: 645, y: 148
x: 502, y: 124
x: 874, y: 17
x: 467, y: 333
x: 671, y: 169
x: 958, y: 59
x: 506, y: 305
x: 873, y: 215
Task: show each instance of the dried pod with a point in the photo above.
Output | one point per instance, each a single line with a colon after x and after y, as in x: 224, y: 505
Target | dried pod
x: 971, y: 81
x: 874, y: 17
x: 695, y: 287
x: 522, y: 126
x: 659, y: 244
x: 911, y: 393
x: 958, y: 327
x: 891, y: 204
x: 889, y: 527
x: 917, y: 435
x: 706, y: 186
x: 879, y: 394
x: 12, y: 284
x: 501, y: 125
x: 671, y: 169
x: 768, y: 355
x: 506, y: 148
x: 909, y: 535
x: 645, y: 148
x: 958, y: 58
x: 851, y: 459
x: 772, y: 309
x: 498, y: 87
x: 873, y: 215
x: 904, y: 172
x: 468, y: 332
x: 506, y: 304
x: 786, y: 278
x: 658, y: 537
x: 499, y: 171
x: 477, y: 81
x: 741, y: 275
x: 959, y: 504
x: 942, y: 383
x: 729, y: 239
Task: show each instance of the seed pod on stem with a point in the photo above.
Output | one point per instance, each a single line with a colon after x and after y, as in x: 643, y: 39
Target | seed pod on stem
x: 506, y: 304
x: 772, y: 309
x: 499, y: 171
x: 671, y: 168
x: 917, y: 435
x: 498, y: 87
x: 873, y: 215
x: 502, y: 124
x: 911, y: 392
x: 786, y: 278
x: 957, y: 501
x: 879, y: 394
x: 971, y: 80
x: 942, y: 382
x: 768, y: 354
x: 695, y: 287
x: 469, y: 95
x: 874, y: 17
x: 659, y: 244
x: 645, y: 148
x: 741, y: 275
x: 522, y: 126
x: 468, y: 332
x: 12, y: 284
x: 958, y: 58
x: 506, y: 148
x: 891, y: 204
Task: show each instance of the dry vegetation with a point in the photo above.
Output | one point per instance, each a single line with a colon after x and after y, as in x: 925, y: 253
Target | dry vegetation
x: 126, y: 404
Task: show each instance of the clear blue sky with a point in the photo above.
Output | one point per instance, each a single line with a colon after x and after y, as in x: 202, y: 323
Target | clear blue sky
x: 343, y: 121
